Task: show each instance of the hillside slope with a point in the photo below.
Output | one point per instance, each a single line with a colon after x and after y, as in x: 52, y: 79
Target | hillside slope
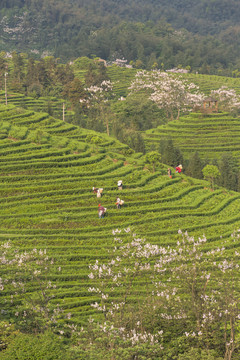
x: 47, y: 171
x: 211, y: 135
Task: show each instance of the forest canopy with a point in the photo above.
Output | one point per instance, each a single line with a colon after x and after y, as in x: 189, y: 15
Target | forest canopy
x: 202, y: 35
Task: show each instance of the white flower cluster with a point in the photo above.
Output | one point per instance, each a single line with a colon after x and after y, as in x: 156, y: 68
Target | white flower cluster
x: 134, y: 336
x: 98, y: 94
x: 227, y: 96
x: 167, y: 91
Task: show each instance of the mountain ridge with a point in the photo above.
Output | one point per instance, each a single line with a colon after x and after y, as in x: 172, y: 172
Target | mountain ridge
x: 187, y: 33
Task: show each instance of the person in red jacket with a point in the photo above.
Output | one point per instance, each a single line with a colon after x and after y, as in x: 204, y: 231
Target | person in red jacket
x: 179, y: 169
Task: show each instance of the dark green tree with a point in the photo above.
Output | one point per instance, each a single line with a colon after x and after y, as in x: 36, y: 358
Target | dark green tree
x: 17, y: 74
x: 195, y: 166
x: 42, y: 77
x: 74, y: 91
x: 3, y: 64
x: 31, y: 73
x: 90, y: 76
x: 211, y: 173
x: 178, y: 156
x: 167, y: 151
x: 96, y: 74
x: 135, y: 141
x: 229, y: 172
x: 118, y: 130
x: 171, y: 155
x: 101, y: 73
x: 139, y: 113
x: 64, y: 74
x: 153, y: 158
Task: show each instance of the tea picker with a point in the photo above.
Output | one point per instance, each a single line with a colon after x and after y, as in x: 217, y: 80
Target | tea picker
x: 101, y: 211
x: 119, y: 184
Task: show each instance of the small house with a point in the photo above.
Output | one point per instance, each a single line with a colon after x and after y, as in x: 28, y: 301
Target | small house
x: 210, y: 104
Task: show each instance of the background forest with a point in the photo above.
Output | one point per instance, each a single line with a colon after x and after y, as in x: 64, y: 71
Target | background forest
x: 201, y: 35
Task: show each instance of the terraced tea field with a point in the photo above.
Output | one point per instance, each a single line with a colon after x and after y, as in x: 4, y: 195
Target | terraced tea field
x: 43, y: 104
x: 206, y: 83
x: 211, y: 135
x: 47, y: 171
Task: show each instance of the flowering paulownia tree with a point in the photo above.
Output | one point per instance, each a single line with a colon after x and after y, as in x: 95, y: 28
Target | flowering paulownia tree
x: 191, y: 290
x: 123, y: 332
x: 127, y: 262
x: 26, y: 278
x: 226, y: 97
x: 98, y: 101
x: 167, y: 91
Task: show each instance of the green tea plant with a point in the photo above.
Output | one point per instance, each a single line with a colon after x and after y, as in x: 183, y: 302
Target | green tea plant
x: 193, y: 290
x: 31, y: 309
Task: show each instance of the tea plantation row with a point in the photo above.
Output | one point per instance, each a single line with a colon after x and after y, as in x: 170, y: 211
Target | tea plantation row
x: 210, y: 135
x: 46, y: 198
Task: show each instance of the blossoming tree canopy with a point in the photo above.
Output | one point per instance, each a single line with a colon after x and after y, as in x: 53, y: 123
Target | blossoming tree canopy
x: 99, y: 99
x: 167, y: 91
x: 228, y: 98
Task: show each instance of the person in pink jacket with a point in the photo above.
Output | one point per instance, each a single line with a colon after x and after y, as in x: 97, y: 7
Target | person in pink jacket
x: 101, y: 211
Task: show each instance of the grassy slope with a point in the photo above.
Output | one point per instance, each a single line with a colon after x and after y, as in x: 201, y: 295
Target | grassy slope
x: 47, y: 171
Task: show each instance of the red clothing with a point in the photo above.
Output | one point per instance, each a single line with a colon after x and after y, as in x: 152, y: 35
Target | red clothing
x: 101, y: 208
